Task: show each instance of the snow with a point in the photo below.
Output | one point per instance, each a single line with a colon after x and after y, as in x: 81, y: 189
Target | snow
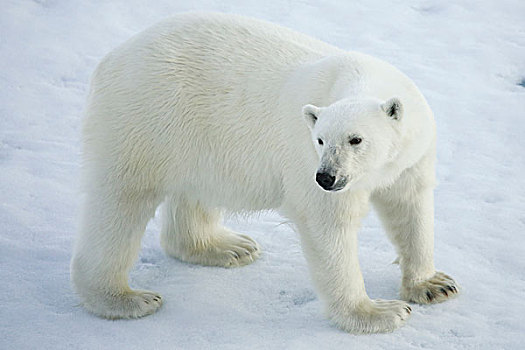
x: 467, y: 58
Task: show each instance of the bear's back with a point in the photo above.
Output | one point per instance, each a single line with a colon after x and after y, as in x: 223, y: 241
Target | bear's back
x: 234, y: 36
x: 222, y: 42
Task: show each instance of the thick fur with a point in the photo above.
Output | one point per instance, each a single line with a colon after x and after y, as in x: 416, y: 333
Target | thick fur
x: 213, y: 112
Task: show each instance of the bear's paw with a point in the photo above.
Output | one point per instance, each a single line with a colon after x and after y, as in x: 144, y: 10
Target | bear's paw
x: 130, y: 304
x: 225, y: 249
x: 374, y: 316
x: 436, y: 289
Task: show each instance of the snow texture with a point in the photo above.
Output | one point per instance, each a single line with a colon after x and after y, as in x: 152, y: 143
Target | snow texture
x: 467, y: 57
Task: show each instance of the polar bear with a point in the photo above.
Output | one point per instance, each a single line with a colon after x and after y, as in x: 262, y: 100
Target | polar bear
x: 210, y: 112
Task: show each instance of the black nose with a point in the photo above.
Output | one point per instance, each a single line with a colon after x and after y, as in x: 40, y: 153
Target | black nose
x: 325, y: 180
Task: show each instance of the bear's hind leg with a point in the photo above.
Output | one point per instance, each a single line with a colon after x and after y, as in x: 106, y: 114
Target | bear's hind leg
x: 107, y: 245
x: 194, y: 234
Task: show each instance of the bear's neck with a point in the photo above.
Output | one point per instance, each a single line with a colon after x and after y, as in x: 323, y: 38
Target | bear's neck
x: 323, y: 81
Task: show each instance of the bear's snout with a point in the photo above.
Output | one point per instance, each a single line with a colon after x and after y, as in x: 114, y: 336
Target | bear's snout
x: 325, y: 180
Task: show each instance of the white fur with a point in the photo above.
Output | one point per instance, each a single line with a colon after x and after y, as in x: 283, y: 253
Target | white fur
x: 205, y: 113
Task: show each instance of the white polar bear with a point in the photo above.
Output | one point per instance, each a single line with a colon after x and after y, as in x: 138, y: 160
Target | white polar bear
x: 212, y: 112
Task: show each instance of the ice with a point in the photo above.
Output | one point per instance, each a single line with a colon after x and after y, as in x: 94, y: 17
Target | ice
x: 467, y: 57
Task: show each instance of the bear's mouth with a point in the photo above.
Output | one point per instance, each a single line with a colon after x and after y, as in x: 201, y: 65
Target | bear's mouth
x: 339, y: 184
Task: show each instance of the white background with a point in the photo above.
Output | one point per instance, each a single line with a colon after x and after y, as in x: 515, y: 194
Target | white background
x: 468, y: 58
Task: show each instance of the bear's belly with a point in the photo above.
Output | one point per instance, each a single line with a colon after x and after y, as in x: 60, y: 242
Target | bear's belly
x: 225, y: 192
x: 238, y: 180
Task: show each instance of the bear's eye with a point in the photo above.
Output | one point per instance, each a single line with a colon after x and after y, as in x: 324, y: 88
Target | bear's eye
x: 319, y: 141
x: 355, y: 141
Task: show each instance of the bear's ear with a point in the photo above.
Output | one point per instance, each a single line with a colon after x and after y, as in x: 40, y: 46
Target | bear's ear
x: 310, y: 114
x: 393, y: 108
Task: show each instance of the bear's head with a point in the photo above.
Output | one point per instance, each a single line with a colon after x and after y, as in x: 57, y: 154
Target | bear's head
x: 355, y: 139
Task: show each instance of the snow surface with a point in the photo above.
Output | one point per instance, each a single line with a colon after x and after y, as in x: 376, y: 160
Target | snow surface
x: 468, y: 58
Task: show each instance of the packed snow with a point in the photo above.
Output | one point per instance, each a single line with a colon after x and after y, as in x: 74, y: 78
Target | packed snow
x: 467, y: 57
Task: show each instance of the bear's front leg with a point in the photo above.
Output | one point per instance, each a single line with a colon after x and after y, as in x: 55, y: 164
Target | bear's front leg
x: 407, y: 211
x: 329, y: 241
